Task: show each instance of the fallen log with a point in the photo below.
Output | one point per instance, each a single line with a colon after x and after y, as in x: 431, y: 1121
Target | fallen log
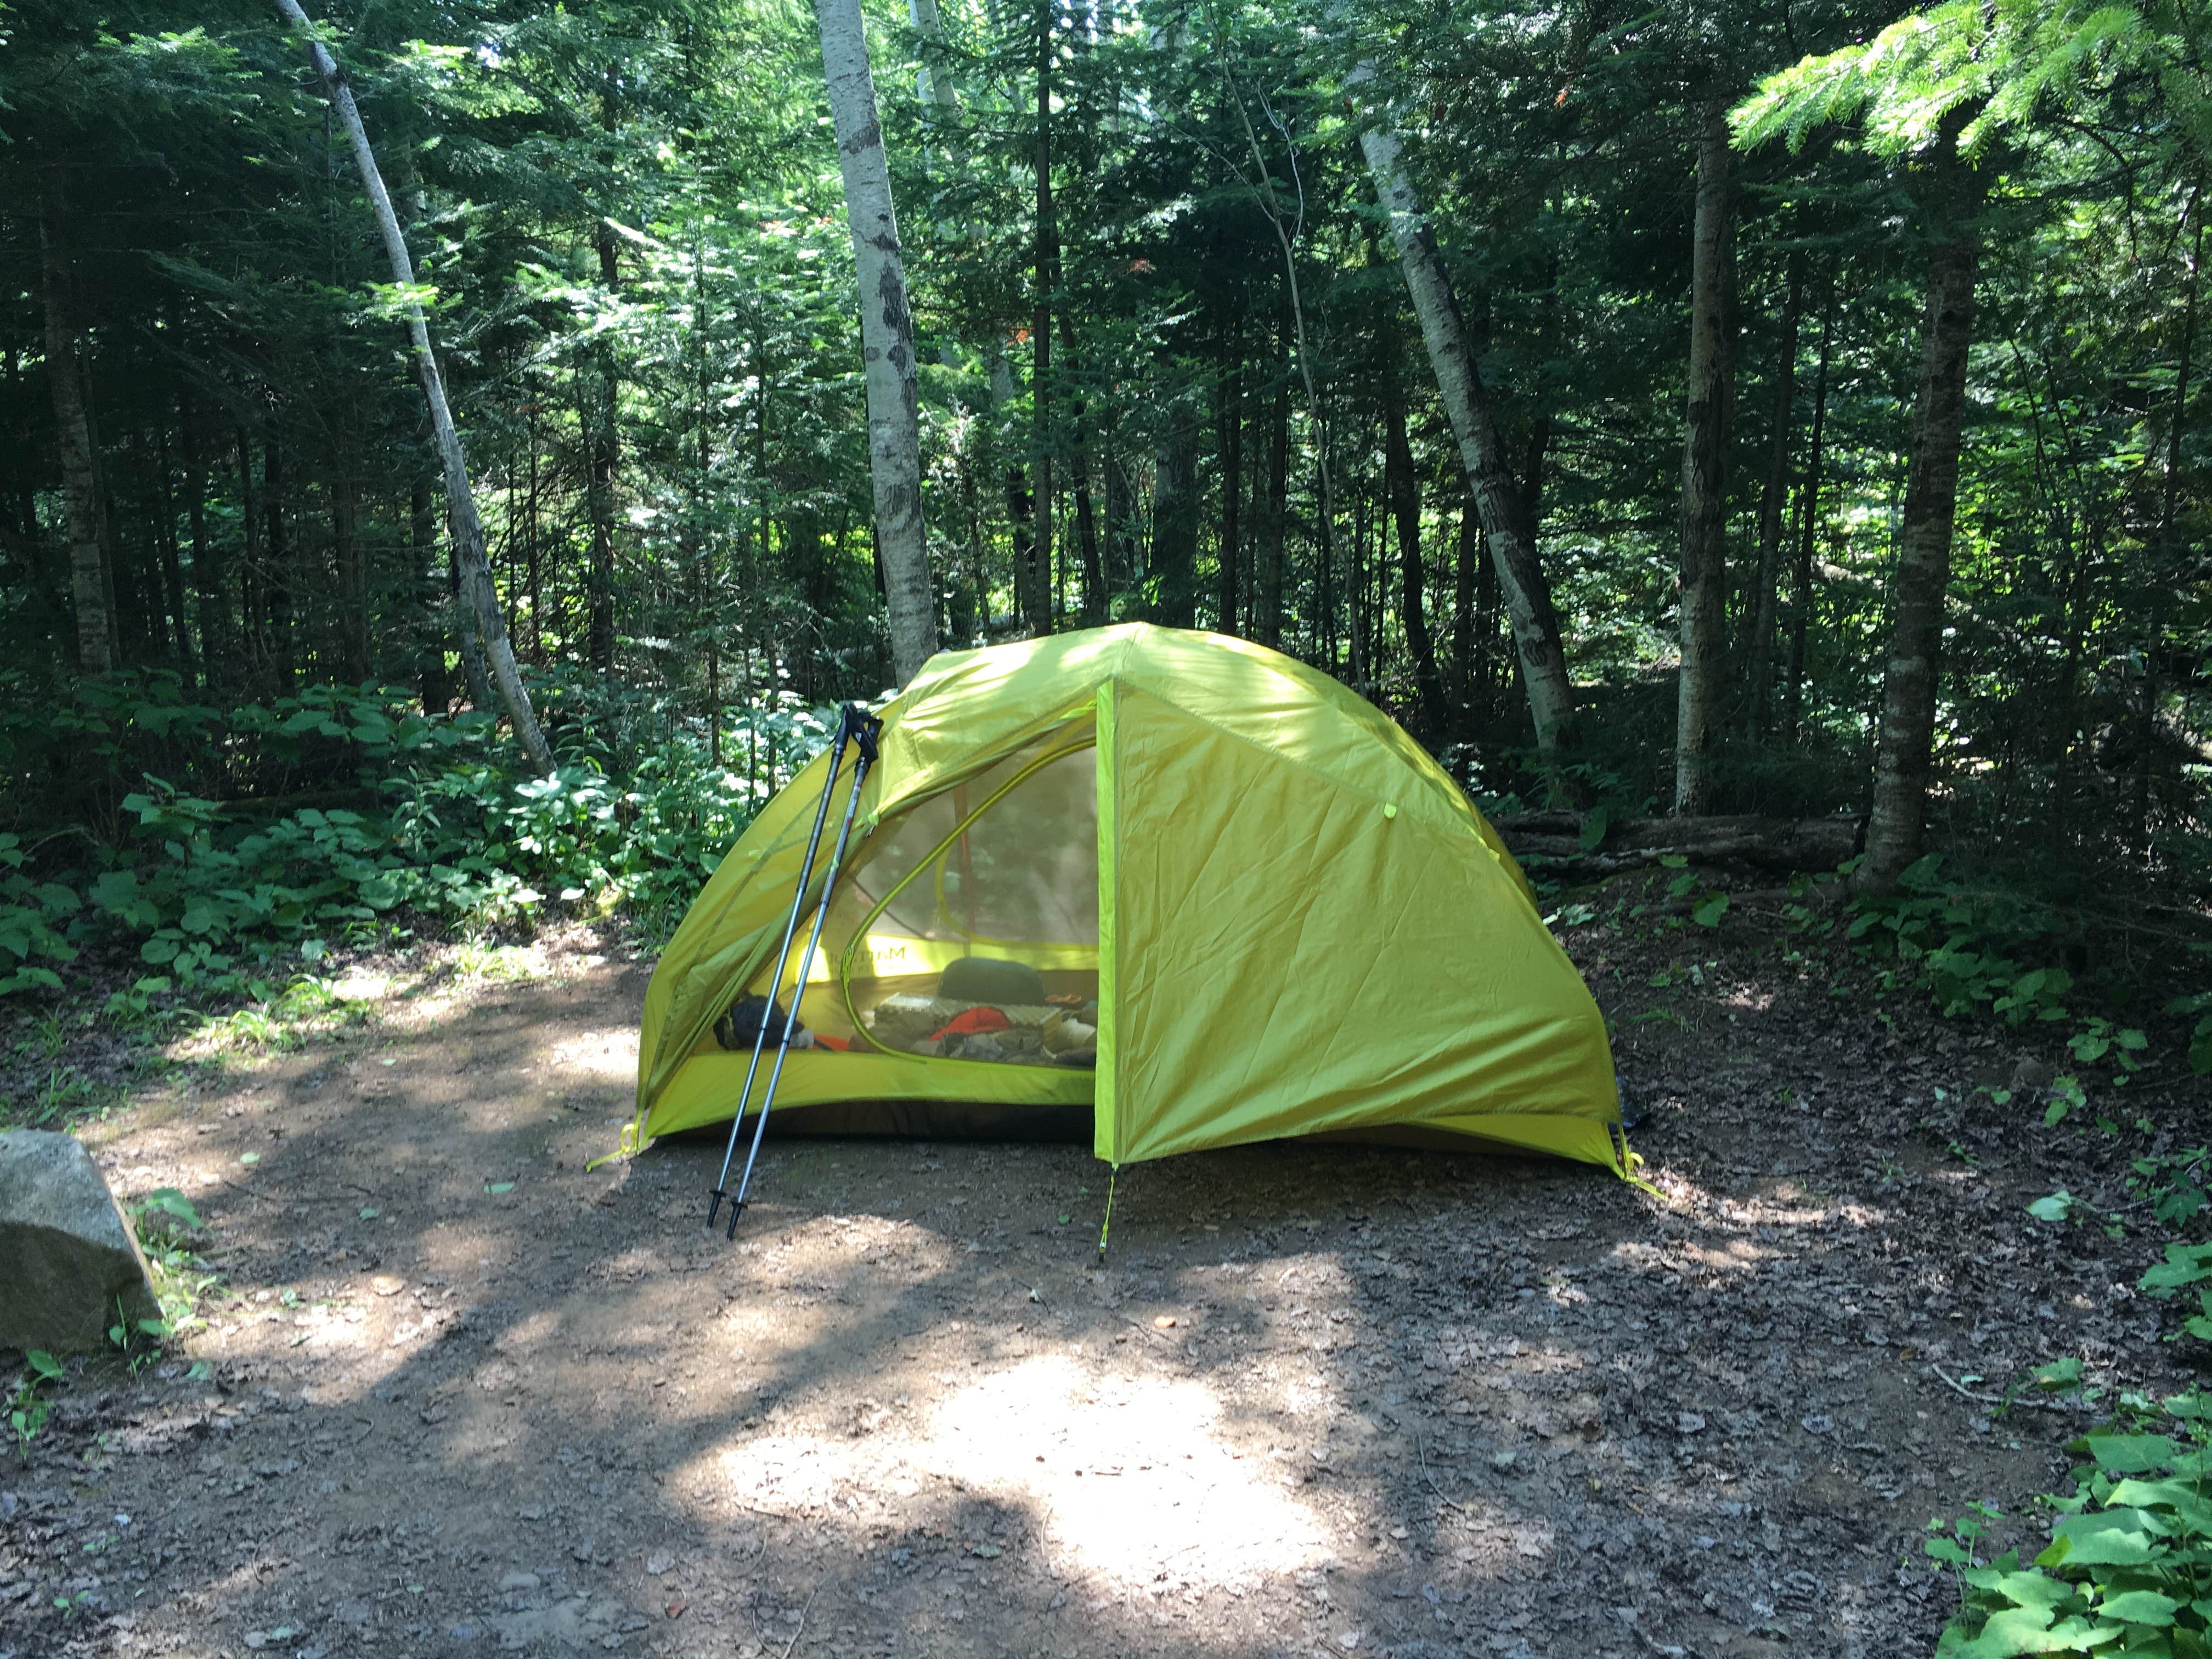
x: 1555, y: 844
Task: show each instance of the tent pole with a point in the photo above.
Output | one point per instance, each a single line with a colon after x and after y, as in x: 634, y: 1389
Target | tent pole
x: 863, y: 727
x: 783, y: 956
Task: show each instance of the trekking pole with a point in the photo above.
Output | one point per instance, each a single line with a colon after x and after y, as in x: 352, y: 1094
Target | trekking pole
x: 783, y: 956
x: 863, y: 727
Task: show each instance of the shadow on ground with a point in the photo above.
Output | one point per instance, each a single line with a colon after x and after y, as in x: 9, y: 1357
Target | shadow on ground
x: 471, y: 1397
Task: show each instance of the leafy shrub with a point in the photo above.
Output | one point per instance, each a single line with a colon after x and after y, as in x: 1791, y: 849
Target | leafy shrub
x: 32, y: 915
x: 2129, y: 1565
x: 1966, y: 947
x: 216, y: 888
x: 1955, y: 942
x: 2200, y: 1038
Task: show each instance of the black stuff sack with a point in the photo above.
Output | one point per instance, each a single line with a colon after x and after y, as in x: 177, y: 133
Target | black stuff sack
x: 740, y: 1027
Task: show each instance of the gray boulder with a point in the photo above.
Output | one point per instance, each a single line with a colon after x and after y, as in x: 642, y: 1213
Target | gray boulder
x: 66, y: 1253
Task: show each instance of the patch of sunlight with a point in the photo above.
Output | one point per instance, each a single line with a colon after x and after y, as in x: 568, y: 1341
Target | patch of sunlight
x: 499, y: 963
x: 306, y: 1007
x: 607, y: 1057
x: 1127, y: 1478
x: 362, y: 985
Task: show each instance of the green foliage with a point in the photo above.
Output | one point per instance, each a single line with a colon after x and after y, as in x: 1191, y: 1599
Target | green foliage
x: 2067, y: 1095
x: 2186, y: 1265
x: 1967, y: 948
x: 216, y: 895
x: 2171, y: 1183
x: 2099, y: 1037
x: 1954, y: 942
x: 26, y: 1411
x: 32, y: 915
x: 2200, y: 1036
x: 1977, y: 67
x: 2129, y: 1555
x: 165, y: 1221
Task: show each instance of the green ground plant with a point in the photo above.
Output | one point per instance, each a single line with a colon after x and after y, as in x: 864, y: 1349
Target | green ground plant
x: 167, y: 1223
x: 27, y: 1410
x: 51, y: 1098
x: 2128, y: 1567
x: 226, y: 883
x: 1971, y: 950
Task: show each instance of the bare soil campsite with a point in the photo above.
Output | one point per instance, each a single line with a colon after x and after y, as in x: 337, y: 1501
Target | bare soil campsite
x: 456, y: 1393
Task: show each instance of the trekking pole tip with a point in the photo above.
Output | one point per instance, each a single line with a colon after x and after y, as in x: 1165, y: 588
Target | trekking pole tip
x: 737, y: 1208
x: 714, y: 1206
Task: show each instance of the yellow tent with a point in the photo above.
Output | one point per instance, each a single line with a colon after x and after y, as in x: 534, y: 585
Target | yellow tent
x: 1196, y: 889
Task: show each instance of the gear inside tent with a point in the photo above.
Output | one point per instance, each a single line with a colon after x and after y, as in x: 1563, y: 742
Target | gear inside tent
x: 1161, y: 888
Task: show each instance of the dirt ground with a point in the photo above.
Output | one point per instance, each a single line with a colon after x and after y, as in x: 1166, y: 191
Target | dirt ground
x: 467, y: 1397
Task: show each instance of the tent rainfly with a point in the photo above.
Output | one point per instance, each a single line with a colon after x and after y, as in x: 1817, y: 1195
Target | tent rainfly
x: 1172, y: 887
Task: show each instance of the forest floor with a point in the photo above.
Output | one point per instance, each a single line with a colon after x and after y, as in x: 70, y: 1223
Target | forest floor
x: 462, y: 1395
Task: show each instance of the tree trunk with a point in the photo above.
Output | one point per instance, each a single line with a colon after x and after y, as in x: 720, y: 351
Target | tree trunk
x: 1405, y: 493
x: 1021, y: 520
x: 432, y: 681
x: 475, y: 674
x: 1316, y: 411
x: 253, y: 646
x: 533, y: 542
x: 1227, y: 573
x: 1175, y: 521
x: 1086, y: 519
x: 467, y: 536
x: 1759, y: 656
x: 1274, y: 520
x: 602, y: 415
x: 1903, y: 756
x: 207, y: 569
x: 886, y: 338
x: 935, y: 83
x: 1705, y: 457
x: 276, y: 587
x: 1466, y: 569
x: 89, y: 580
x: 1487, y: 609
x: 2169, y: 565
x: 172, y: 577
x: 1505, y: 521
x: 1809, y: 511
x: 602, y: 422
x: 1118, y: 550
x: 1777, y: 844
x: 353, y: 581
x: 1039, y: 607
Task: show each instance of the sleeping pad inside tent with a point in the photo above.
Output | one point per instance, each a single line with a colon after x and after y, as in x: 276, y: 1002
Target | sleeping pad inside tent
x: 1172, y: 886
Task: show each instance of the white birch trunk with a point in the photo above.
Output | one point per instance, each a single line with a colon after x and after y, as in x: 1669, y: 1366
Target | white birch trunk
x: 467, y: 529
x: 935, y: 85
x: 1497, y: 504
x: 886, y: 338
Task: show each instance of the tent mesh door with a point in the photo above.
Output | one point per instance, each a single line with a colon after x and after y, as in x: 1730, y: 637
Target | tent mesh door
x: 966, y: 929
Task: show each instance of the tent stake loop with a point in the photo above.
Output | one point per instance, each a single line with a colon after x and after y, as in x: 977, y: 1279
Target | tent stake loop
x: 1105, y: 1226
